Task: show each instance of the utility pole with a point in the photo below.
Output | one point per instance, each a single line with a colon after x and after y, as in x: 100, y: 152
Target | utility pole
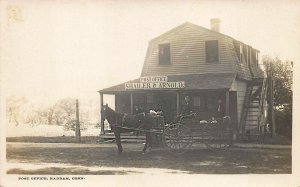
x: 77, y: 130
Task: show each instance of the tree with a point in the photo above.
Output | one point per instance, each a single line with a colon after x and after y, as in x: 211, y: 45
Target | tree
x: 282, y: 75
x: 71, y: 125
x: 67, y: 105
x: 50, y: 113
x: 64, y: 112
x: 14, y: 107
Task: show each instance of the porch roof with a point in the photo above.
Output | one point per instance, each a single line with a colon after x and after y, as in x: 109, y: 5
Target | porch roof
x: 210, y: 81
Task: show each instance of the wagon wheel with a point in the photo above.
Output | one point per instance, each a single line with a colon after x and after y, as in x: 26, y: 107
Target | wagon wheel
x: 215, y: 138
x: 178, y: 138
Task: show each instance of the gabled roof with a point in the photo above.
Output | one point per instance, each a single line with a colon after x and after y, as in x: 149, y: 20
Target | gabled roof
x: 243, y: 70
x: 210, y: 81
x: 196, y: 27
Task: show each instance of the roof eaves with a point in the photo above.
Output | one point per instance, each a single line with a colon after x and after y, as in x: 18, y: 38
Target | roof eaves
x: 171, y: 31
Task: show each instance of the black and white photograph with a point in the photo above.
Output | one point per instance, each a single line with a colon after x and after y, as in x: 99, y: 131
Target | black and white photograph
x: 149, y: 93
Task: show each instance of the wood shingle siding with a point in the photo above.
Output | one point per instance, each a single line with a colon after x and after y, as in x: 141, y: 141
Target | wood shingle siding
x: 187, y: 45
x: 188, y: 53
x: 241, y: 91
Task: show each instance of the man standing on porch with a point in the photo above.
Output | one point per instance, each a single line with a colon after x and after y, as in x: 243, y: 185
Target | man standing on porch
x: 187, y: 109
x: 220, y: 109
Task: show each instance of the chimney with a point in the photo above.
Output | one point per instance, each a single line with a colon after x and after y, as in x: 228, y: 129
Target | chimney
x: 215, y: 24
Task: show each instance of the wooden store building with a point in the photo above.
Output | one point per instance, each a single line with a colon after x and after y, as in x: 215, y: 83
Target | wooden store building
x: 203, y: 64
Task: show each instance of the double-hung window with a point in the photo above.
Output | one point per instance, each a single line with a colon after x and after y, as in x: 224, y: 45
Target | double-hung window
x: 212, y: 51
x: 164, y: 54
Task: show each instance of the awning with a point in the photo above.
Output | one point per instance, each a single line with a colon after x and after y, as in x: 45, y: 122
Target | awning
x: 210, y: 81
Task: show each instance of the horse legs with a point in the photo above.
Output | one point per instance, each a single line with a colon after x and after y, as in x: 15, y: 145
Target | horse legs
x: 118, y: 141
x: 148, y: 142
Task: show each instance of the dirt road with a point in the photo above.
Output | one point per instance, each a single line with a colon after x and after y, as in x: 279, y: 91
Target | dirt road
x: 85, y: 159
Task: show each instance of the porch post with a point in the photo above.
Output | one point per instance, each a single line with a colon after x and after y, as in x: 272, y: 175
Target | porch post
x: 178, y: 100
x: 131, y: 103
x: 227, y: 104
x: 101, y: 117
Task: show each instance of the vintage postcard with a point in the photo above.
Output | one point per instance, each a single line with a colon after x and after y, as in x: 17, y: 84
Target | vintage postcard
x: 149, y: 93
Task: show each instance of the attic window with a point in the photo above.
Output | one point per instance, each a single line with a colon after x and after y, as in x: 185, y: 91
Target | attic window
x: 237, y: 47
x: 257, y: 58
x: 241, y: 53
x: 245, y: 53
x: 212, y: 51
x: 164, y: 54
x: 253, y: 57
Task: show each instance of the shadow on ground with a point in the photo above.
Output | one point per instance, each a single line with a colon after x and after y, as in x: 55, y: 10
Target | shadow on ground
x: 199, y: 160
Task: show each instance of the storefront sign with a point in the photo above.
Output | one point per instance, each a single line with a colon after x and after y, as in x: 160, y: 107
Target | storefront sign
x: 155, y: 85
x: 154, y: 79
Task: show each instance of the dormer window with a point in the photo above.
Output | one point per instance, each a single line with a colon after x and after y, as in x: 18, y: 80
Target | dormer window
x: 212, y: 51
x: 241, y: 53
x: 245, y: 54
x: 164, y: 54
x: 257, y: 58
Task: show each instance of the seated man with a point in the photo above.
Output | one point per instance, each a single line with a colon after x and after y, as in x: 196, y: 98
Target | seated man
x: 186, y: 111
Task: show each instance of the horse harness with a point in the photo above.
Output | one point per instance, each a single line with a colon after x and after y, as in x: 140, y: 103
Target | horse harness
x: 126, y: 116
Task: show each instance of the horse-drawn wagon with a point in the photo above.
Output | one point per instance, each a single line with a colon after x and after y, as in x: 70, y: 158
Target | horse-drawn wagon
x: 177, y: 136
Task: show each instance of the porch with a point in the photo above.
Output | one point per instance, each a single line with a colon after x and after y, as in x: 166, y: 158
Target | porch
x: 210, y: 95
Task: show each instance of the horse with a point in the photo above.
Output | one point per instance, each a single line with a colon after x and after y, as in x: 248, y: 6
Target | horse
x: 121, y: 122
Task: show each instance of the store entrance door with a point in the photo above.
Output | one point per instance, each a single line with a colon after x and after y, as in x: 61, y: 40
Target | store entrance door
x: 167, y: 102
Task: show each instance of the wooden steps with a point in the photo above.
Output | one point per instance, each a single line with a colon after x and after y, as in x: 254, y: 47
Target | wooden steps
x: 251, y: 114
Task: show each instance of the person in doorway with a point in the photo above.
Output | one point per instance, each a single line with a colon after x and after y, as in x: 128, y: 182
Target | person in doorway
x: 187, y: 109
x: 220, y: 111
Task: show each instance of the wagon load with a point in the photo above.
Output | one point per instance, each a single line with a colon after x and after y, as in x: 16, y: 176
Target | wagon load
x: 215, y: 133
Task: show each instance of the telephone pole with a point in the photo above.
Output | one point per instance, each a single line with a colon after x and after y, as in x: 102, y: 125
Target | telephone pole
x: 77, y: 130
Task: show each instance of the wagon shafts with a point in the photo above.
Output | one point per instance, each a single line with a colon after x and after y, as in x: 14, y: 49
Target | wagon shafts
x: 180, y: 136
x: 156, y: 131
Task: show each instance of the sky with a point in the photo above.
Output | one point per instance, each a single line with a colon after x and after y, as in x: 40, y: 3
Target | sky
x: 57, y: 49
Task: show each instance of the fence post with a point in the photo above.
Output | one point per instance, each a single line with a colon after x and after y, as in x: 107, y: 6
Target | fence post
x: 77, y: 130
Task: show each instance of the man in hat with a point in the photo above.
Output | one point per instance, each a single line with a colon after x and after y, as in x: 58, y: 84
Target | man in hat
x: 220, y: 109
x: 187, y: 109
